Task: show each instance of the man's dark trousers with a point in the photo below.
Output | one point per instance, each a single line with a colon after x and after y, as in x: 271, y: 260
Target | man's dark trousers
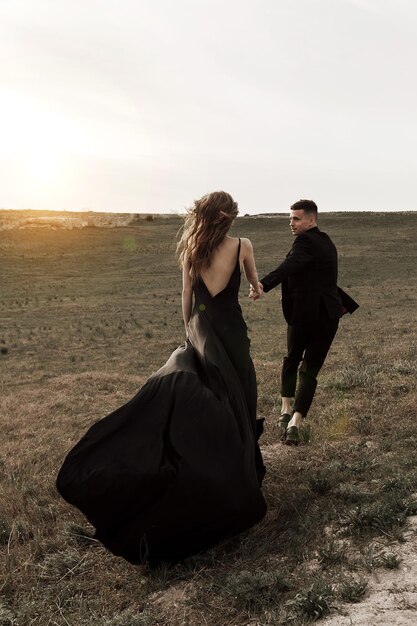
x: 308, y: 342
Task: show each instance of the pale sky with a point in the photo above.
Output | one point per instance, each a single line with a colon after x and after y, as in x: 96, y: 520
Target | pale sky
x: 145, y: 105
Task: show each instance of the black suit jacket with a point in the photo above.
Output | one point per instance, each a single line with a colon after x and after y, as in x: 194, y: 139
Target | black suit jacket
x: 308, y: 276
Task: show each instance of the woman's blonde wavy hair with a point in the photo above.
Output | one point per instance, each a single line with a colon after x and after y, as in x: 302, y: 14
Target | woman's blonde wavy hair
x: 206, y: 225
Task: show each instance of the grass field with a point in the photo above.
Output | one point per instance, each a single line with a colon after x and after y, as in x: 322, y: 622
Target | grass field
x: 86, y: 315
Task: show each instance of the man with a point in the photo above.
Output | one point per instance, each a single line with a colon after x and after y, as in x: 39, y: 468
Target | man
x: 312, y: 305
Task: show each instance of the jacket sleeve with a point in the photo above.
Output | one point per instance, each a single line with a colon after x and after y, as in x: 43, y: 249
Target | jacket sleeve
x: 300, y: 255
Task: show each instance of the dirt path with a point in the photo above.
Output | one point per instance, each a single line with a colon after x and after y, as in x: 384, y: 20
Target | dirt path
x: 391, y: 598
x: 392, y: 594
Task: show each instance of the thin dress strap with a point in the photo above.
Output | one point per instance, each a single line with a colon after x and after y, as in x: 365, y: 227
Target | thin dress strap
x: 238, y: 255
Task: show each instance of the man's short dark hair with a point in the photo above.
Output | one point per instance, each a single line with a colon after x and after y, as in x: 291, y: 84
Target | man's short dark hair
x: 308, y: 206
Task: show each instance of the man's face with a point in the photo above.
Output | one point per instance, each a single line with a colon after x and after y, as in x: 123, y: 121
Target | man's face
x: 301, y: 221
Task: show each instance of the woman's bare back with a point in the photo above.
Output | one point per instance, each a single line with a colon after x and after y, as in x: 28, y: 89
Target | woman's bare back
x: 223, y: 263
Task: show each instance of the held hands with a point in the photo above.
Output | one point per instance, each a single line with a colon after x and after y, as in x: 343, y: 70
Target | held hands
x: 255, y: 294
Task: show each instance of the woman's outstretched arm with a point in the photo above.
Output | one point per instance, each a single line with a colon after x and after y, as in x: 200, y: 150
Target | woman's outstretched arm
x: 249, y: 266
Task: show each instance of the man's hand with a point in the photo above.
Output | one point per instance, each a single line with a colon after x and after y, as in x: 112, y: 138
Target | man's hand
x: 255, y: 294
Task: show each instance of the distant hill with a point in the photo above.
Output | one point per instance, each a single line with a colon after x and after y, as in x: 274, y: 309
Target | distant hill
x: 24, y: 219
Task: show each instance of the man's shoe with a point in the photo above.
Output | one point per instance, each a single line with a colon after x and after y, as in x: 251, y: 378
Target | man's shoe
x: 284, y: 418
x: 291, y: 436
x: 283, y: 423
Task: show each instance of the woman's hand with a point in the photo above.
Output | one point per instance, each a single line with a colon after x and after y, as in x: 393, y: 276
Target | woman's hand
x: 256, y: 292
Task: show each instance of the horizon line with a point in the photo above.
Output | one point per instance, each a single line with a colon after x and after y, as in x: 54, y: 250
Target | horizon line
x: 173, y: 212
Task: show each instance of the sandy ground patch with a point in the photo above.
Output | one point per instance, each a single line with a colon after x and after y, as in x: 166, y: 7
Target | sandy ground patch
x: 392, y: 594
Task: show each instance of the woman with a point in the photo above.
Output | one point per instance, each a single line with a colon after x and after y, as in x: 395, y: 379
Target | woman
x: 211, y: 263
x: 178, y: 468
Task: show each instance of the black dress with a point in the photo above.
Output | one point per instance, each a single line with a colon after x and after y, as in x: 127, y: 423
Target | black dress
x: 178, y: 468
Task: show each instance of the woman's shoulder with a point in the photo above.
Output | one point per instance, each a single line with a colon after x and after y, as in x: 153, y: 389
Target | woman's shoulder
x: 246, y: 249
x: 231, y: 243
x: 245, y: 243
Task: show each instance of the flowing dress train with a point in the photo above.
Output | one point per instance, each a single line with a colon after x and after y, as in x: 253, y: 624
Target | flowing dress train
x: 178, y: 467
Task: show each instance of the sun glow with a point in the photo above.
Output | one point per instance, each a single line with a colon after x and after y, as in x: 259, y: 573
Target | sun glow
x: 37, y: 140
